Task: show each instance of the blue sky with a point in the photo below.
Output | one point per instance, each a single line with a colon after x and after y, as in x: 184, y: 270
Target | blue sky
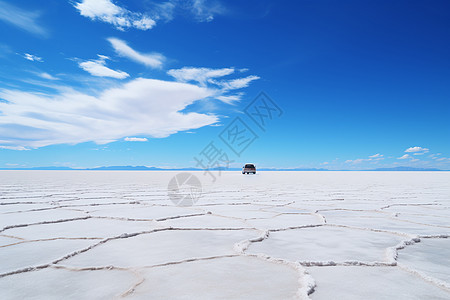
x: 359, y: 84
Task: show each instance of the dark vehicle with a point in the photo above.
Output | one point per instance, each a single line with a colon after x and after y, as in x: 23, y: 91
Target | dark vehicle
x: 249, y: 168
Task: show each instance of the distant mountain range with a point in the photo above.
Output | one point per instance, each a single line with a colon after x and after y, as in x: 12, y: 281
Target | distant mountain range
x: 144, y: 168
x: 406, y: 169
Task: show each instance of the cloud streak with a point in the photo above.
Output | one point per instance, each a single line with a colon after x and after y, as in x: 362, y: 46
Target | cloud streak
x: 32, y: 57
x: 135, y: 139
x: 22, y: 19
x: 45, y: 75
x: 373, y: 158
x: 153, y: 60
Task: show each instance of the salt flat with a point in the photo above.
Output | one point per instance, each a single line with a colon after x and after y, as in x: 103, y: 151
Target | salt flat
x: 273, y: 235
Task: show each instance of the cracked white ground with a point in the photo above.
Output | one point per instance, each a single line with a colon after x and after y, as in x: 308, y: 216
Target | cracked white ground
x: 274, y: 235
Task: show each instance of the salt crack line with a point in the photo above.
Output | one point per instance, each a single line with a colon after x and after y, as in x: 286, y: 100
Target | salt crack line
x: 182, y: 216
x: 391, y: 253
x: 101, y: 268
x: 320, y: 216
x: 297, y: 227
x: 129, y: 291
x: 13, y: 237
x: 439, y: 236
x: 440, y: 283
x: 16, y: 203
x: 125, y: 235
x: 170, y: 263
x: 418, y: 223
x: 122, y: 236
x: 147, y: 220
x: 370, y: 229
x: 218, y: 204
x: 44, y: 222
x: 409, y: 204
x: 52, y: 239
x: 25, y: 270
x: 346, y: 263
x: 306, y: 282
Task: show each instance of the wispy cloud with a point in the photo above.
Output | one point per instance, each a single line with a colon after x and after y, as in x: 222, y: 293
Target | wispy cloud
x: 32, y: 57
x: 238, y: 83
x: 164, y: 11
x: 135, y: 139
x: 16, y: 148
x: 200, y: 75
x: 154, y: 60
x: 98, y: 67
x: 205, y: 10
x: 406, y: 156
x: 25, y: 20
x: 373, y: 158
x: 442, y: 159
x: 108, y: 12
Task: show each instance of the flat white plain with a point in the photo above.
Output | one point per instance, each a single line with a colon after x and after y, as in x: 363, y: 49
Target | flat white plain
x: 273, y: 235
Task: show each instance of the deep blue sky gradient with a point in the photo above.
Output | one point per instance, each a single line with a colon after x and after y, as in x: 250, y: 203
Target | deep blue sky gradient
x: 354, y: 79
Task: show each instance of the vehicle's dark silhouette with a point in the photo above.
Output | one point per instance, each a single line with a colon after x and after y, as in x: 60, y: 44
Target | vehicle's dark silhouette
x: 249, y: 169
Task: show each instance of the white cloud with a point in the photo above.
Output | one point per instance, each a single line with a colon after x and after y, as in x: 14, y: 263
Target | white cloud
x: 441, y: 159
x: 47, y: 76
x: 154, y: 60
x: 200, y: 75
x: 141, y: 107
x: 406, y: 156
x: 32, y: 57
x: 414, y: 160
x: 207, y: 76
x: 121, y: 18
x: 98, y: 68
x: 376, y: 155
x: 417, y: 149
x: 23, y: 19
x: 135, y: 139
